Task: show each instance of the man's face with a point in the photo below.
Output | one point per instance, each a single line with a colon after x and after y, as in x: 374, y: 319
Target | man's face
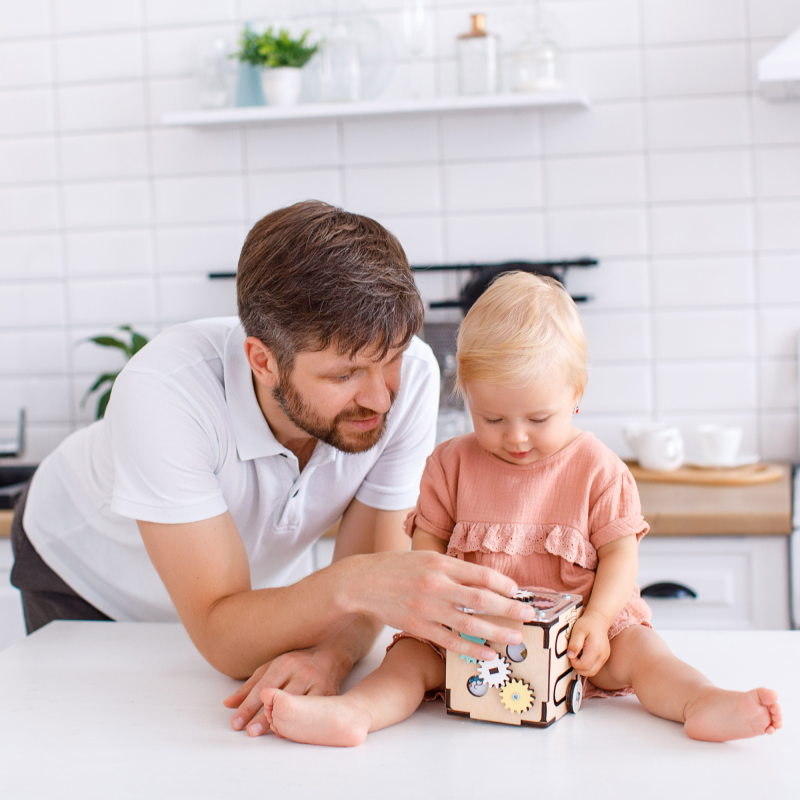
x: 340, y: 400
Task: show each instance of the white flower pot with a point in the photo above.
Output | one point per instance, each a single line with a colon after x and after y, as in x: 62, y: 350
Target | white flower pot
x: 282, y: 85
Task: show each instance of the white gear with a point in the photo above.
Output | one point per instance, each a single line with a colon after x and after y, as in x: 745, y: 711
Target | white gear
x: 495, y: 672
x: 522, y: 594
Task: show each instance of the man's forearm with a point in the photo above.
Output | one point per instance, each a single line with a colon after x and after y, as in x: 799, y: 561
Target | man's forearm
x: 244, y: 630
x: 352, y: 643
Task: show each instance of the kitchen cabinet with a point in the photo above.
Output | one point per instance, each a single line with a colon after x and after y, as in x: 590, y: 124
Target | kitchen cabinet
x: 739, y: 582
x: 728, y: 544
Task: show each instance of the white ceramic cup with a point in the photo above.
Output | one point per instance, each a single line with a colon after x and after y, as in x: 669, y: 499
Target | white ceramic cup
x: 661, y: 449
x: 719, y: 445
x: 633, y: 432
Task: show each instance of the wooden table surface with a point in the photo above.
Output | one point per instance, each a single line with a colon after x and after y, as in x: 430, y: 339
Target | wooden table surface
x: 111, y: 711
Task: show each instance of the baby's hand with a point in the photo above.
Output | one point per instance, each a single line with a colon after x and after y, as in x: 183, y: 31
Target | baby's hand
x: 589, y: 647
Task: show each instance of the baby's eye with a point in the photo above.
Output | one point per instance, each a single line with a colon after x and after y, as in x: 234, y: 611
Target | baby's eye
x: 539, y: 421
x: 492, y: 421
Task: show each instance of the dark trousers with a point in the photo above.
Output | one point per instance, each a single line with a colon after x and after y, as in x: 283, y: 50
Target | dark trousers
x: 45, y: 596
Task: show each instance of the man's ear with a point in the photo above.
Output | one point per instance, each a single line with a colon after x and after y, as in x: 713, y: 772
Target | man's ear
x: 262, y: 361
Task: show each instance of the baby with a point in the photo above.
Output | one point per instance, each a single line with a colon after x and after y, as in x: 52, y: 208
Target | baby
x: 532, y: 496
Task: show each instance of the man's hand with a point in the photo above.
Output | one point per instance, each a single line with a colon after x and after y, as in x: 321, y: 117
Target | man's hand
x: 589, y: 647
x: 420, y: 592
x: 316, y: 670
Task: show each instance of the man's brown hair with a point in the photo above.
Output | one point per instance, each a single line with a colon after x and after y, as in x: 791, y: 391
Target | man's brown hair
x: 312, y: 275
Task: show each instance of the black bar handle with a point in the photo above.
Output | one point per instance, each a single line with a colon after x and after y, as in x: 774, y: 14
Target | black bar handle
x: 668, y: 591
x: 562, y: 264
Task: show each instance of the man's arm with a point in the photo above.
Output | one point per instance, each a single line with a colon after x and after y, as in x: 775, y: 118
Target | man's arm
x: 319, y: 670
x: 205, y: 569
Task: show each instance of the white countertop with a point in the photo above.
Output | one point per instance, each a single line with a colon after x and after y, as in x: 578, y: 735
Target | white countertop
x: 112, y: 710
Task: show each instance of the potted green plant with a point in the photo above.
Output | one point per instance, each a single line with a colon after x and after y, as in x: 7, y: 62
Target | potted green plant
x: 129, y: 349
x: 281, y: 59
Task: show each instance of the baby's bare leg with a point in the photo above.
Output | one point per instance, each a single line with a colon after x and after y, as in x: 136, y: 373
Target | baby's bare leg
x: 670, y: 688
x: 389, y: 695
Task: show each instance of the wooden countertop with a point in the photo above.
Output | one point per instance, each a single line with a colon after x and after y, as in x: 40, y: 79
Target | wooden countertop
x: 5, y: 522
x: 680, y: 509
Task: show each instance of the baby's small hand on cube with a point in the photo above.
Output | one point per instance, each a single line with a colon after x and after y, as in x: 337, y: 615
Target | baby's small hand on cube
x: 589, y: 647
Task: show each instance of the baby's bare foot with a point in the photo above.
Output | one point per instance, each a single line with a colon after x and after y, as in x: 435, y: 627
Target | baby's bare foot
x: 338, y: 721
x: 718, y: 715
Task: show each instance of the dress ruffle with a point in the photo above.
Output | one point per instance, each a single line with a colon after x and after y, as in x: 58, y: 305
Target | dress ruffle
x: 524, y: 539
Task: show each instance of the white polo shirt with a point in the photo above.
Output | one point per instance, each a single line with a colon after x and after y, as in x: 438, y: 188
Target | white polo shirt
x: 184, y: 439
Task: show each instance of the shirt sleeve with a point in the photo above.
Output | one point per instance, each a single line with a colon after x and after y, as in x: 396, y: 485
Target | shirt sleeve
x: 435, y: 510
x: 617, y: 512
x: 165, y: 452
x: 392, y: 483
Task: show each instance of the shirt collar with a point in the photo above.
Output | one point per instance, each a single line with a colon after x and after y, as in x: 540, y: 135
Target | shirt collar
x: 254, y: 438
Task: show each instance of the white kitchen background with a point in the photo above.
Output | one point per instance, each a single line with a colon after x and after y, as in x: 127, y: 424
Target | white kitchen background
x: 680, y: 178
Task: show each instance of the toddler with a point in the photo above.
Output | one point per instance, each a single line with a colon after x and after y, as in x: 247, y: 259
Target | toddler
x: 532, y: 496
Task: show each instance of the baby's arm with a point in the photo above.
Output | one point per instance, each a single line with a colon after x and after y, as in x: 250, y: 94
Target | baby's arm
x: 422, y: 540
x: 618, y: 564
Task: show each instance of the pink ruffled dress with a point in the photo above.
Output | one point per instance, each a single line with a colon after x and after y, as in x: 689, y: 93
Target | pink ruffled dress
x: 541, y: 524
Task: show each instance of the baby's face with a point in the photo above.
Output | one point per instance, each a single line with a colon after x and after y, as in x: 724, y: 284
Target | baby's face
x: 521, y: 425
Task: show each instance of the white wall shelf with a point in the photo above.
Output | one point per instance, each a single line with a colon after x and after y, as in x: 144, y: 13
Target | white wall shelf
x: 377, y: 108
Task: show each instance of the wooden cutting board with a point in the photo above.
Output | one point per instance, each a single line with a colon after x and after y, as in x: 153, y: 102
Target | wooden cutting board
x: 749, y: 475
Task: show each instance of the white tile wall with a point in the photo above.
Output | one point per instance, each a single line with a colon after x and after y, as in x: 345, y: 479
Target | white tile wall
x: 81, y: 16
x: 110, y: 56
x: 681, y: 178
x: 697, y: 69
x: 668, y: 21
x: 31, y: 18
x: 703, y: 282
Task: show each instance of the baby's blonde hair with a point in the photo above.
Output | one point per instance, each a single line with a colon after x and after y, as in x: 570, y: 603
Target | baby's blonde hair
x: 517, y: 330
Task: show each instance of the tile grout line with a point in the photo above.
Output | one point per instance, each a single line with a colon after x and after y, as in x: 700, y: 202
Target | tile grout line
x: 650, y: 257
x: 71, y: 420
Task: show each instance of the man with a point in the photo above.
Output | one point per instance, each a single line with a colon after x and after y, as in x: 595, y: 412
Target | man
x: 228, y: 449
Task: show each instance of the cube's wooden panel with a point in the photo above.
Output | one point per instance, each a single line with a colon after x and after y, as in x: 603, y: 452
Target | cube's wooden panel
x: 545, y: 669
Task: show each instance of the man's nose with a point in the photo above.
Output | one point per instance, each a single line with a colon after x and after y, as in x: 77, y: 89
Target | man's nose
x: 375, y: 394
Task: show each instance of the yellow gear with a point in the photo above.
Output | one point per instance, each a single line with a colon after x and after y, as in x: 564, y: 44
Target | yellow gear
x: 516, y: 696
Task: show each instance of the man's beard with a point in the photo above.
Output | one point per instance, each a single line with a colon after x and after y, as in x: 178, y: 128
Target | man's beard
x: 331, y: 432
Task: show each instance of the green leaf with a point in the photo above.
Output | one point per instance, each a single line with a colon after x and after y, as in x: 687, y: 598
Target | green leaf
x: 110, y: 341
x: 271, y: 50
x: 102, y: 404
x: 138, y: 342
x: 107, y: 377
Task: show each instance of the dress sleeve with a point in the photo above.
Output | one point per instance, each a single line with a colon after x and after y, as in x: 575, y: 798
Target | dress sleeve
x: 435, y: 510
x: 617, y: 512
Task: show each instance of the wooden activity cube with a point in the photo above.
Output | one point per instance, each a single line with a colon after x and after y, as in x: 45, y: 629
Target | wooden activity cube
x: 531, y: 683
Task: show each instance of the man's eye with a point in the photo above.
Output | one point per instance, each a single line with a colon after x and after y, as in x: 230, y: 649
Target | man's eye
x: 343, y: 378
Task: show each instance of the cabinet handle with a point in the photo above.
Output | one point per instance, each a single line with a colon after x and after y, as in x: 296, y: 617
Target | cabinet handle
x: 668, y: 591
